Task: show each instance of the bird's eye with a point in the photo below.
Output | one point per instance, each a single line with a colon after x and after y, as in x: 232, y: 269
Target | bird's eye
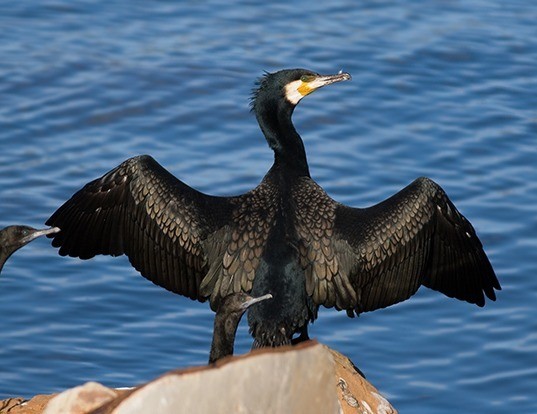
x: 25, y: 232
x: 307, y: 78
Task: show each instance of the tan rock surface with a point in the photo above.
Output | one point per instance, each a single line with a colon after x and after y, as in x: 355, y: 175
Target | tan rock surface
x: 282, y: 380
x: 80, y: 400
x: 21, y: 406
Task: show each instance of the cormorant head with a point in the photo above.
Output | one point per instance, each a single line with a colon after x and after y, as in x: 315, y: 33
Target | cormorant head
x: 226, y: 320
x: 13, y: 238
x: 289, y: 86
x: 273, y: 103
x: 238, y: 303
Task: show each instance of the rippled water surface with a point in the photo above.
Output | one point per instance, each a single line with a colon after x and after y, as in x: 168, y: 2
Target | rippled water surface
x: 442, y: 89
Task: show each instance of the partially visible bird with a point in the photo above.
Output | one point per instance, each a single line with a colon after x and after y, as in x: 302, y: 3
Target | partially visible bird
x: 226, y: 321
x: 286, y: 237
x: 12, y: 238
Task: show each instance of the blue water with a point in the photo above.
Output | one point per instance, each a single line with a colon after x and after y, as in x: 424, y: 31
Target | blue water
x: 442, y: 89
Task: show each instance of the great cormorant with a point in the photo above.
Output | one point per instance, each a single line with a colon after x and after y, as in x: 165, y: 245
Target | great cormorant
x: 286, y: 237
x: 12, y: 238
x: 226, y: 321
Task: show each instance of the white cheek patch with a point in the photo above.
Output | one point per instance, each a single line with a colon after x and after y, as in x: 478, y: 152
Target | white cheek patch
x: 292, y: 94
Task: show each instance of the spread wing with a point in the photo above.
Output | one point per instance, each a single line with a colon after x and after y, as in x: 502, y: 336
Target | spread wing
x: 141, y: 210
x: 365, y: 259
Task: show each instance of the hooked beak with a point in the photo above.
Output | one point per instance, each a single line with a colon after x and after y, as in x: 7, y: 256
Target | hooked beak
x: 296, y: 90
x: 253, y: 301
x: 324, y: 80
x: 39, y: 233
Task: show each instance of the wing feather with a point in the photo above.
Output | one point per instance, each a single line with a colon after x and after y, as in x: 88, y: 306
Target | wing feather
x: 365, y: 259
x: 141, y: 210
x: 416, y: 237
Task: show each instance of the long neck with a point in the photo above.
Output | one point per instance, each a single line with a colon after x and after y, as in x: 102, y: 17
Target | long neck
x: 274, y: 118
x: 4, y: 255
x: 225, y: 328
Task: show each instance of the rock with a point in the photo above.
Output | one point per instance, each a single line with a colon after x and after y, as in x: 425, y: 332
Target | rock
x: 7, y: 405
x: 80, y: 400
x: 356, y: 394
x: 309, y: 378
x: 279, y: 380
x: 34, y: 406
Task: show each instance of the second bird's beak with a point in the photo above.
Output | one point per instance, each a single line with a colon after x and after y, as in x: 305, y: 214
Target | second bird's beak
x: 38, y: 233
x: 253, y: 301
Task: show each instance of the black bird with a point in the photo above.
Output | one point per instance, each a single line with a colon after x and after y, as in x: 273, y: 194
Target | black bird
x: 12, y: 238
x: 286, y: 237
x: 226, y: 321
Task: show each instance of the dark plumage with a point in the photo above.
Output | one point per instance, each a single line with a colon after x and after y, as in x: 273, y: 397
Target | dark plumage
x: 12, y: 238
x: 226, y: 321
x: 286, y: 236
